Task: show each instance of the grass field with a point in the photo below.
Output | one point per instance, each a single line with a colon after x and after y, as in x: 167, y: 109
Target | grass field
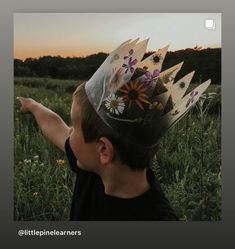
x: 187, y: 163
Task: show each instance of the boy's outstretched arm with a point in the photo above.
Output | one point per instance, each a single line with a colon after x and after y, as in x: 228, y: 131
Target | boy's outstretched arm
x: 52, y: 125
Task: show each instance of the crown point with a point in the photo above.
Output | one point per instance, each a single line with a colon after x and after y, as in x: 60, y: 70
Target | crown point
x: 125, y: 42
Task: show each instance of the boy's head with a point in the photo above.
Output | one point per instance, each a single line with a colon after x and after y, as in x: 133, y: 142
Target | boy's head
x: 95, y: 142
x: 128, y: 104
x: 136, y: 99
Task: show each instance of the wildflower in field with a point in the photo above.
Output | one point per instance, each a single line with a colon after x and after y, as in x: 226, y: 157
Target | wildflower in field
x: 60, y: 162
x: 27, y: 161
x: 208, y: 95
x: 36, y: 157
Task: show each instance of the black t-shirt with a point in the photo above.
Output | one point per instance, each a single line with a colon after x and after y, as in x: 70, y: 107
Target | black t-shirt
x: 91, y: 203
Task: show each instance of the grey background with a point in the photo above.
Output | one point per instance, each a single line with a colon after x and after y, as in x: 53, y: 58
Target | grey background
x: 118, y: 234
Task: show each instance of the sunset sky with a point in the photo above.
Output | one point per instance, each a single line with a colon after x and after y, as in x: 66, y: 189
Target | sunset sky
x: 81, y: 34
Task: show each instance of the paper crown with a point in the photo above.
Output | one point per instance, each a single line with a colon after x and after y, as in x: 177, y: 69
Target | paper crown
x: 135, y: 98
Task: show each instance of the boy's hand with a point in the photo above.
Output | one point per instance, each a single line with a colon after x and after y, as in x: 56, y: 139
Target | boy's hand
x: 26, y: 103
x: 52, y: 125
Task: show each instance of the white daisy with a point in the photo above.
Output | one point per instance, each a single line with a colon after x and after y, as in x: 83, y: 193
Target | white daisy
x: 115, y: 104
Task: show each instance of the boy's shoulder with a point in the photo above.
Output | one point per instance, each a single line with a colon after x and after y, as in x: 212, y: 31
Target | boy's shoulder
x: 156, y: 203
x: 151, y: 205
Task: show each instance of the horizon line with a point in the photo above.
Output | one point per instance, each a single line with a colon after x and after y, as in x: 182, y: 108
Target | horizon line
x: 84, y: 56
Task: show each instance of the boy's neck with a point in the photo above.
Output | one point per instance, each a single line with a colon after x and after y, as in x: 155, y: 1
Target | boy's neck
x: 121, y: 181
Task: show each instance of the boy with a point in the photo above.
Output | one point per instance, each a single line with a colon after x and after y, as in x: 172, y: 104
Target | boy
x: 117, y: 119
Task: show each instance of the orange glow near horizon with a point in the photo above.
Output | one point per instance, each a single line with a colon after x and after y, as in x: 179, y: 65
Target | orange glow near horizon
x: 61, y: 48
x: 36, y: 53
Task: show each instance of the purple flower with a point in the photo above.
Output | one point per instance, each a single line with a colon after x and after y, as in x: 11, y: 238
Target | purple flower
x: 191, y: 99
x: 130, y: 53
x: 130, y: 65
x: 147, y: 78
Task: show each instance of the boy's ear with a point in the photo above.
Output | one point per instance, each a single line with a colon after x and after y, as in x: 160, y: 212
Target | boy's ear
x: 105, y: 150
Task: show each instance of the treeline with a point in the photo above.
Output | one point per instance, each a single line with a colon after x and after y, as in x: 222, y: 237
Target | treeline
x: 206, y: 63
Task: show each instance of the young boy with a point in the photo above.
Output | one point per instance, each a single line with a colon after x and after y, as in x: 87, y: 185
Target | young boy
x: 117, y: 119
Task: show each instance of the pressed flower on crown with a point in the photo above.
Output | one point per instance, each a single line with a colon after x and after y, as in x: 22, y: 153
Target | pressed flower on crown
x: 129, y: 65
x: 191, y: 99
x: 116, y: 80
x: 156, y: 58
x: 135, y: 93
x: 148, y: 77
x: 115, y: 104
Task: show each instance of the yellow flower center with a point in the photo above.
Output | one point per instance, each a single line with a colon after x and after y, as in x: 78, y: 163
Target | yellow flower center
x: 114, y: 104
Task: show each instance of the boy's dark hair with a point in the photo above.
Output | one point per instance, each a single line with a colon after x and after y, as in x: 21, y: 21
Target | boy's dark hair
x: 93, y: 127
